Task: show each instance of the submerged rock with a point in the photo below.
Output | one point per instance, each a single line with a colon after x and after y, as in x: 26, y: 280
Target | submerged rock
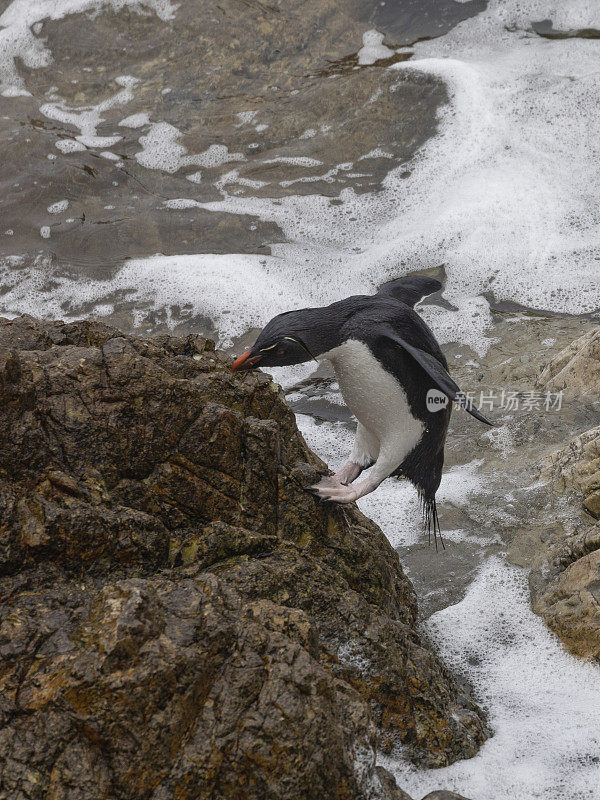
x: 178, y: 617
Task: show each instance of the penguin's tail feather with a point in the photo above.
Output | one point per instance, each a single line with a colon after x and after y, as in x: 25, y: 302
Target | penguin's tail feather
x: 431, y: 520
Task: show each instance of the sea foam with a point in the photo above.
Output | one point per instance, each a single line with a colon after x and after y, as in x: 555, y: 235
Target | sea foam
x: 543, y: 704
x: 504, y: 196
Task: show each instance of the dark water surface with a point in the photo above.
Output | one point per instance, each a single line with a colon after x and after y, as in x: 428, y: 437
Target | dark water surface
x: 197, y: 72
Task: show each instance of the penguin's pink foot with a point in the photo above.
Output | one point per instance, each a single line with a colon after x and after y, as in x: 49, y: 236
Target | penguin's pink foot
x: 349, y: 472
x: 337, y: 492
x: 326, y: 482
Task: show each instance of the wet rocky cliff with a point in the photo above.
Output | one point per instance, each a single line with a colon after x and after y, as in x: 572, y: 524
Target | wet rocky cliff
x: 178, y: 617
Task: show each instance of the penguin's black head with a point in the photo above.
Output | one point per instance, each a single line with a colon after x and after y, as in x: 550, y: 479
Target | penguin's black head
x: 277, y: 346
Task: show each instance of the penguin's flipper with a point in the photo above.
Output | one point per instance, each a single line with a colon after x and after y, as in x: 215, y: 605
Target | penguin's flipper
x: 436, y: 371
x: 410, y: 289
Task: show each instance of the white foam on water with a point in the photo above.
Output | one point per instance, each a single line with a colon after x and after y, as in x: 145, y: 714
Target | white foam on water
x: 331, y: 441
x: 373, y: 48
x: 180, y: 203
x: 376, y: 153
x: 299, y: 161
x: 45, y: 232
x: 162, y: 150
x: 245, y: 117
x: 216, y: 155
x: 469, y: 324
x: 213, y: 283
x: 135, y: 121
x: 88, y: 118
x: 501, y: 439
x: 68, y: 146
x: 504, y: 196
x: 543, y: 704
x: 58, y: 207
x: 19, y: 27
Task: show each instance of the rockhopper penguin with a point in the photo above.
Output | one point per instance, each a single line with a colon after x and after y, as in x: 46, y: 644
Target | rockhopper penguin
x: 387, y: 362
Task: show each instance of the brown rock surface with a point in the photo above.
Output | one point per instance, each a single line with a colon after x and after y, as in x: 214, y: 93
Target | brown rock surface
x: 576, y: 369
x: 566, y: 580
x: 178, y: 617
x: 566, y: 590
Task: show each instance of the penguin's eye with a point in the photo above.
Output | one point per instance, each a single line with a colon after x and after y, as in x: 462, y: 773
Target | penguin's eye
x: 281, y: 351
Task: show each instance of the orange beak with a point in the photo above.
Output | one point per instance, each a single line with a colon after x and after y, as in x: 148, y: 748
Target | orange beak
x: 245, y: 361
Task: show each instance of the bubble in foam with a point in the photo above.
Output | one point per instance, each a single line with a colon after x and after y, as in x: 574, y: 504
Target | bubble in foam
x: 373, y: 48
x: 69, y: 146
x: 58, y: 207
x: 162, y: 150
x: 135, y: 121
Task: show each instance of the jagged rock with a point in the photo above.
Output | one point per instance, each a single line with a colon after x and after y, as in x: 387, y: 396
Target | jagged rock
x: 566, y: 581
x: 566, y: 586
x: 576, y: 369
x: 178, y: 617
x: 576, y: 470
x: 576, y: 467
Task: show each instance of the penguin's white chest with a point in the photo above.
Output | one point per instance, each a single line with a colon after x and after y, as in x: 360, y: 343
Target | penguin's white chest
x: 375, y: 398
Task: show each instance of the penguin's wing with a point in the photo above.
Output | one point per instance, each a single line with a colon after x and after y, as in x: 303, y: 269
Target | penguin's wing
x: 410, y: 289
x: 436, y: 371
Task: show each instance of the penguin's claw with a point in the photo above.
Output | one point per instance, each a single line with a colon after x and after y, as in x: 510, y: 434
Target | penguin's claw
x: 330, y: 490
